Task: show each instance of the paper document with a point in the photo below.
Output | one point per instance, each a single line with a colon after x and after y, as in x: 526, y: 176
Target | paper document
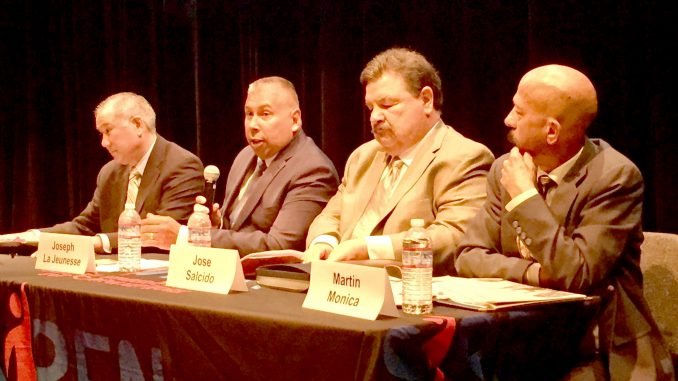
x: 487, y: 294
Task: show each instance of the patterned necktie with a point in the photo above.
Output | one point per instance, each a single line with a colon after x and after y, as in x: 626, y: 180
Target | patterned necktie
x: 245, y: 190
x: 133, y: 186
x: 375, y: 208
x: 545, y: 183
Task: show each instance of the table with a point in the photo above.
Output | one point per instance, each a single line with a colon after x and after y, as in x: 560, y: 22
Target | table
x: 130, y: 326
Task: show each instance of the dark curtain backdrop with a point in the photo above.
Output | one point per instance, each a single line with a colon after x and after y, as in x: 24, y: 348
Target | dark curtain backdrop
x: 193, y: 60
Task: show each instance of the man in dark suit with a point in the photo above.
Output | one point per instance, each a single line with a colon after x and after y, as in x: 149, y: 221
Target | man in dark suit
x: 564, y: 211
x: 169, y: 177
x: 276, y: 185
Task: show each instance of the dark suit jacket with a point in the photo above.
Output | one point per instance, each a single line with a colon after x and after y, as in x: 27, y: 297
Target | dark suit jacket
x: 587, y: 241
x: 444, y: 186
x: 172, y: 178
x: 285, y: 199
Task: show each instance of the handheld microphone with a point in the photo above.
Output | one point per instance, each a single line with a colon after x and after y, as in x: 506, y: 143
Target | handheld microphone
x: 211, y: 174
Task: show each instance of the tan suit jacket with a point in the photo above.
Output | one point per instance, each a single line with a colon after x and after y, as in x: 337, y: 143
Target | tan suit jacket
x: 445, y: 186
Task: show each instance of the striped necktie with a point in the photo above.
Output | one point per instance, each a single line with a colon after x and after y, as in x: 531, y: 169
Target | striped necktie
x: 133, y: 186
x: 380, y: 198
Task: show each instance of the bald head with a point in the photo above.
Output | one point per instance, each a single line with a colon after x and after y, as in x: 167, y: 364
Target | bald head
x: 562, y: 93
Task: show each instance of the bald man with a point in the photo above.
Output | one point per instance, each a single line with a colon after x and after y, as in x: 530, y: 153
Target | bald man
x: 276, y: 185
x: 579, y: 229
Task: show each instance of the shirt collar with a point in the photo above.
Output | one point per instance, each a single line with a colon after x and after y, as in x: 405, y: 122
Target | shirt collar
x: 559, y: 173
x: 141, y: 165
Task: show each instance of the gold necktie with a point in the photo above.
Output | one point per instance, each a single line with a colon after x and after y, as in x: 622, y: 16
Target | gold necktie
x: 133, y: 186
x: 245, y: 190
x: 375, y: 208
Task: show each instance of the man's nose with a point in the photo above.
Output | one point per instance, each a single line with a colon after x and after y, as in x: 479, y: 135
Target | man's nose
x: 376, y: 116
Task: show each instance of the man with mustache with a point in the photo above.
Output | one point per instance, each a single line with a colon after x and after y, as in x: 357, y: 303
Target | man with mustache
x: 564, y: 212
x: 416, y: 167
x: 275, y: 187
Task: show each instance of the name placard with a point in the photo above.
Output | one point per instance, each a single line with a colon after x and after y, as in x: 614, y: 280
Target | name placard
x: 353, y: 290
x: 65, y: 253
x: 205, y: 269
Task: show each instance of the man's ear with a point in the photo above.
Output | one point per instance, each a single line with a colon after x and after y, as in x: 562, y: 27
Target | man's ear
x: 552, y: 131
x: 296, y: 120
x: 426, y: 95
x: 138, y: 124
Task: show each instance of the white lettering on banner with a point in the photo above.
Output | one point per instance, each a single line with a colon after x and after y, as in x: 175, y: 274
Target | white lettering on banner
x: 57, y: 369
x: 87, y: 340
x: 128, y: 361
x: 130, y: 369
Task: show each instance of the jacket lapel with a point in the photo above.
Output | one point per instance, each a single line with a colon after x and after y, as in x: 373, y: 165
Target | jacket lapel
x: 566, y: 193
x: 427, y: 152
x: 151, y: 172
x: 256, y: 189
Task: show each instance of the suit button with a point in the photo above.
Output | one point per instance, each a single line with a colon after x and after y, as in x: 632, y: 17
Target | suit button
x: 528, y: 241
x: 519, y: 230
x: 523, y: 236
x: 515, y: 224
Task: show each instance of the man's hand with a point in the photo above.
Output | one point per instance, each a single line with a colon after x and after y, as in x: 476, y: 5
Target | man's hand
x: 159, y: 231
x: 349, y: 250
x: 215, y: 215
x: 518, y: 173
x: 317, y: 251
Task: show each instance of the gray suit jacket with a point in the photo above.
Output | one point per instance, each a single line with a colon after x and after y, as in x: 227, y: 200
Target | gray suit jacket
x: 587, y: 241
x: 172, y: 178
x: 444, y: 186
x: 285, y: 199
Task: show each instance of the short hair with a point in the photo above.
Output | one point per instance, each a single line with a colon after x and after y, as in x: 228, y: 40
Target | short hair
x: 128, y: 104
x: 282, y: 82
x: 415, y: 69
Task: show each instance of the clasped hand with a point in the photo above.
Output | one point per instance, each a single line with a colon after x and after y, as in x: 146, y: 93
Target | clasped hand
x: 518, y: 173
x: 162, y: 231
x: 348, y: 250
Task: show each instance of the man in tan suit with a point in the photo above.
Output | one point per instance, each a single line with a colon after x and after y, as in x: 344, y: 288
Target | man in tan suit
x: 417, y: 167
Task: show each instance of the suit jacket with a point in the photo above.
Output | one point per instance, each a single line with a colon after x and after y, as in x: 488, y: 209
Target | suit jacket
x: 172, y: 178
x: 444, y: 186
x: 587, y: 241
x: 282, y: 202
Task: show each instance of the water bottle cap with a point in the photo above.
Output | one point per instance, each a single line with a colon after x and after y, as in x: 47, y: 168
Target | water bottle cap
x: 200, y: 208
x: 417, y: 222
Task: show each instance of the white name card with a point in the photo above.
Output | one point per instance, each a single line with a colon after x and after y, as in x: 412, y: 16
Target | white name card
x: 65, y: 253
x: 353, y: 290
x: 205, y: 269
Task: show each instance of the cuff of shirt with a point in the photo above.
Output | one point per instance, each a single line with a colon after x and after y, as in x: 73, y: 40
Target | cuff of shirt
x: 380, y: 247
x: 520, y: 198
x: 105, y: 243
x: 325, y: 238
x: 532, y: 274
x: 182, y: 236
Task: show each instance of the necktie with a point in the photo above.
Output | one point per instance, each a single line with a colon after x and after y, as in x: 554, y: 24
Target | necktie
x: 245, y: 190
x: 375, y: 208
x: 544, y: 183
x: 133, y: 186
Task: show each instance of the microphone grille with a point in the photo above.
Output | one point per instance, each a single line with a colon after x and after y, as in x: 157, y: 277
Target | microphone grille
x: 211, y: 173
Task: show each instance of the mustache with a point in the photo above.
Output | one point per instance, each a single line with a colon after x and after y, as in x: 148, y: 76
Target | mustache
x: 379, y: 128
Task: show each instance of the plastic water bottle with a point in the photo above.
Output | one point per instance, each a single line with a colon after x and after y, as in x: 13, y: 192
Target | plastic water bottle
x: 129, y: 239
x: 417, y: 269
x: 199, y: 226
